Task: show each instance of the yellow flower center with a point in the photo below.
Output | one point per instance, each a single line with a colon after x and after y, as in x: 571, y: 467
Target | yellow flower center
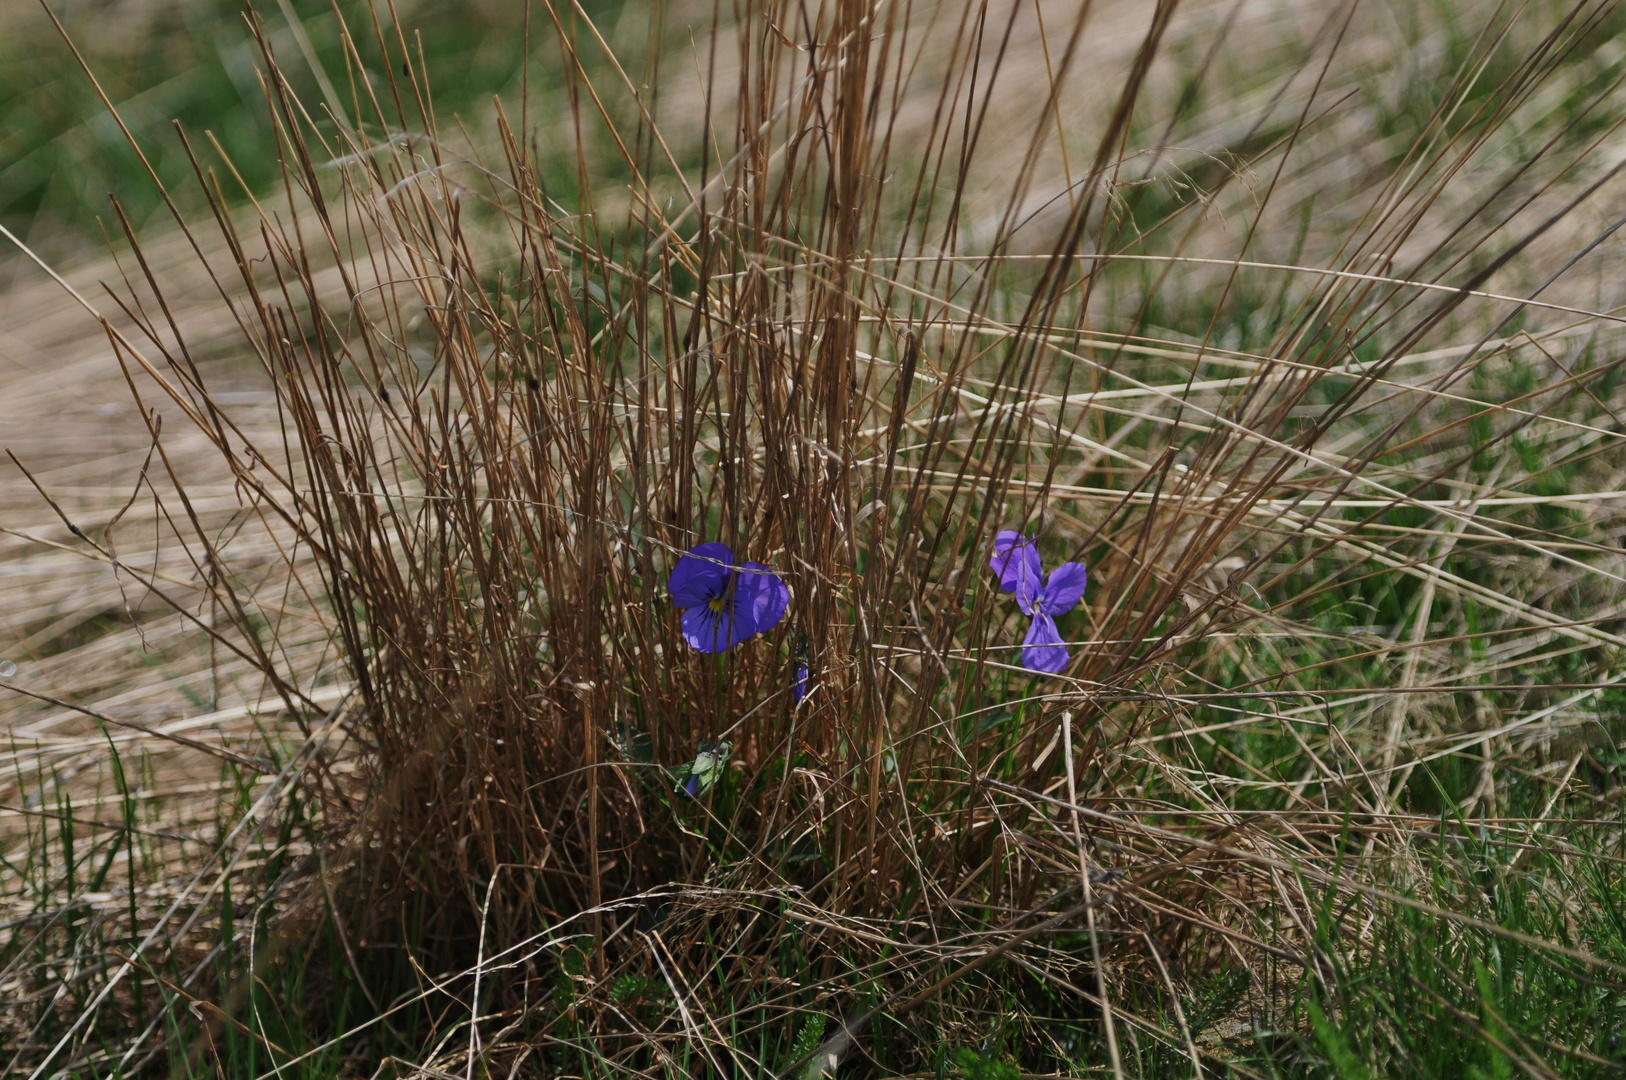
x: 715, y: 603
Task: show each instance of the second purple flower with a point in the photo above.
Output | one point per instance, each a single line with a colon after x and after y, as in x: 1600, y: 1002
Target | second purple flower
x: 1016, y: 560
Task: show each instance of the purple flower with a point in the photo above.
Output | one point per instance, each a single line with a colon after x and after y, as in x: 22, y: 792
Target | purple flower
x: 1020, y: 572
x: 723, y: 604
x: 798, y: 686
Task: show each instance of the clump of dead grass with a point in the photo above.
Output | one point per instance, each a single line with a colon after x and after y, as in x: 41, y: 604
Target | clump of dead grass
x: 814, y: 323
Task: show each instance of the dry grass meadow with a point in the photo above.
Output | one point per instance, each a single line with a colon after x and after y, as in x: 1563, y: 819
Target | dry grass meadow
x: 345, y: 707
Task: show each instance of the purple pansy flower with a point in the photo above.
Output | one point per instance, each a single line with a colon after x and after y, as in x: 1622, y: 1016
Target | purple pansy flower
x: 1020, y: 572
x: 723, y: 604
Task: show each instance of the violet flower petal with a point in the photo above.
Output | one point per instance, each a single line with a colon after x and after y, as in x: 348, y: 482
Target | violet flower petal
x: 1042, y: 649
x: 769, y: 595
x: 712, y: 631
x: 739, y: 614
x: 703, y: 629
x: 1064, y: 589
x: 1017, y: 562
x: 700, y: 576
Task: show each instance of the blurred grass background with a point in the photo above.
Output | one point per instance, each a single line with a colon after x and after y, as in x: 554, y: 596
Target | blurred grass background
x: 194, y: 62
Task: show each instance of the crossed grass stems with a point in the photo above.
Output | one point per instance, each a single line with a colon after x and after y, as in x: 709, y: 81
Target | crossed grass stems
x: 501, y: 413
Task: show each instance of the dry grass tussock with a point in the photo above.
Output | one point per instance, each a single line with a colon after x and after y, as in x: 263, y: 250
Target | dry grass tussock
x: 350, y: 706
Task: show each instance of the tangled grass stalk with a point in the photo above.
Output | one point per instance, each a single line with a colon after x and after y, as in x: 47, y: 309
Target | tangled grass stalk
x: 1327, y: 412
